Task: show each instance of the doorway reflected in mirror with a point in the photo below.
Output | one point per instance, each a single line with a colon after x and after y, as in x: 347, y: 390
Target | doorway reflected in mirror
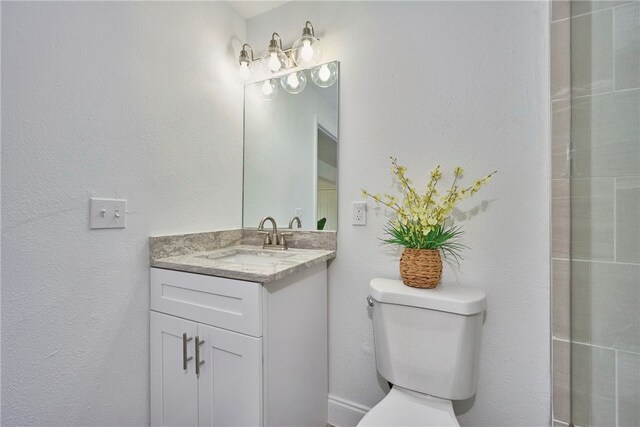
x: 327, y: 201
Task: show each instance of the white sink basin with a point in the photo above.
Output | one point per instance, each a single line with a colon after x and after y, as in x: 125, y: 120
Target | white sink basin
x: 248, y: 256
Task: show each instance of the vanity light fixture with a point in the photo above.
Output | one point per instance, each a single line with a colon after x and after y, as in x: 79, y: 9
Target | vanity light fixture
x: 304, y: 53
x: 245, y: 62
x: 274, y: 59
x: 294, y: 82
x: 306, y: 50
x: 325, y: 75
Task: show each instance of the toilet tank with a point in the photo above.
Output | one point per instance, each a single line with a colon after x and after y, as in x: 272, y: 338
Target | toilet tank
x: 428, y: 340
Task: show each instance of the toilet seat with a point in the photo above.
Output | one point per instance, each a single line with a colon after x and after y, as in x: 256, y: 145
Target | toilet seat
x: 402, y: 407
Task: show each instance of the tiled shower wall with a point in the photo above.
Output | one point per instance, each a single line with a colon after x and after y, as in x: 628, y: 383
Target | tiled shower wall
x: 595, y: 104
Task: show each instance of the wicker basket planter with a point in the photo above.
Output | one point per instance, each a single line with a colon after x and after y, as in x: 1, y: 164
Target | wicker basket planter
x: 421, y: 268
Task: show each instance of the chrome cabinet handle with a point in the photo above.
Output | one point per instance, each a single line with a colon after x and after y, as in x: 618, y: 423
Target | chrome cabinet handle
x: 185, y: 359
x: 198, y: 361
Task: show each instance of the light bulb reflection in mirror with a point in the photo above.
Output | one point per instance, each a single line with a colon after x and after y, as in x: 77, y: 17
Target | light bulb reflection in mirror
x: 266, y: 89
x: 325, y: 75
x: 294, y: 82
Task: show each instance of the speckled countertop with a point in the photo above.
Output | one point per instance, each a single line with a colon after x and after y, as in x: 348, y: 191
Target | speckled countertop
x: 223, y: 254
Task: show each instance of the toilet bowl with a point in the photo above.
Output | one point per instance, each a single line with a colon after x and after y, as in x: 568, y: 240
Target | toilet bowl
x: 402, y: 407
x: 427, y: 344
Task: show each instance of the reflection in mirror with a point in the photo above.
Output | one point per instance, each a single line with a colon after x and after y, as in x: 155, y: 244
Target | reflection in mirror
x: 327, y: 203
x: 291, y: 155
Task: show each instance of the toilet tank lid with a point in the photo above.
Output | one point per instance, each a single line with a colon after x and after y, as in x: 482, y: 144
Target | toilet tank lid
x: 451, y: 299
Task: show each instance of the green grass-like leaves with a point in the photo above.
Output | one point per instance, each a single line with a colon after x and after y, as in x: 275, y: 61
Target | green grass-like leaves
x: 440, y: 237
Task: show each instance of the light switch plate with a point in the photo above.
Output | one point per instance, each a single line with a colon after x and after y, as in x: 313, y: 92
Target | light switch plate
x: 107, y: 213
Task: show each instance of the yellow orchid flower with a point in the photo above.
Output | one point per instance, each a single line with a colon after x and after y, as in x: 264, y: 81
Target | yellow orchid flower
x: 424, y: 218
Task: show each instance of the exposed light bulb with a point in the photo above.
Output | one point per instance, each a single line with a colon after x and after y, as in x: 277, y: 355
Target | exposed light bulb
x: 244, y: 71
x: 274, y: 62
x: 267, y: 89
x: 307, y: 51
x: 324, y: 73
x: 292, y: 80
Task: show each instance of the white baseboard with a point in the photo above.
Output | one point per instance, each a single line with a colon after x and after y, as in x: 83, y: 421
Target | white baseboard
x: 344, y: 413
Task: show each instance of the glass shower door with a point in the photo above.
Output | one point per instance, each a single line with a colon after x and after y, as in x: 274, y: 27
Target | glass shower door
x: 605, y: 213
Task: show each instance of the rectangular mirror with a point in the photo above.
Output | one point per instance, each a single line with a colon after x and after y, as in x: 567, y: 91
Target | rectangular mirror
x: 291, y: 153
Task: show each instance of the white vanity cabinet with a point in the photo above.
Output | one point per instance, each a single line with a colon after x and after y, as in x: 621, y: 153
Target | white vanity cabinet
x: 226, y: 392
x: 260, y: 350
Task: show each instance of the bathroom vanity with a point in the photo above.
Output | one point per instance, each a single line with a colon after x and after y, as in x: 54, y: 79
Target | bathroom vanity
x: 239, y: 336
x: 238, y: 333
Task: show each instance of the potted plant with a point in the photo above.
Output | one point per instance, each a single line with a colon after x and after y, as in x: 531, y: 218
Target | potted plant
x: 423, y: 224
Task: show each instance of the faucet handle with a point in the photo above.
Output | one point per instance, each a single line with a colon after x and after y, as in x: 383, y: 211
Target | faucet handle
x: 267, y: 238
x: 283, y: 240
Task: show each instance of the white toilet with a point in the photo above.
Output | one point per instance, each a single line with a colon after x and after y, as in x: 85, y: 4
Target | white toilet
x: 427, y: 345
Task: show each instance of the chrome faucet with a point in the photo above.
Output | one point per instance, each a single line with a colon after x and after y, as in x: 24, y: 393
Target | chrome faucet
x: 272, y: 240
x: 294, y: 219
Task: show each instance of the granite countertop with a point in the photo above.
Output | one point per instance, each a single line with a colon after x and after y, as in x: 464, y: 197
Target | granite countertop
x: 228, y: 262
x: 238, y: 253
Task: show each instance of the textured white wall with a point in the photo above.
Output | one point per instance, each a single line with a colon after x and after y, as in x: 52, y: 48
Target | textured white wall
x: 449, y: 83
x: 130, y: 100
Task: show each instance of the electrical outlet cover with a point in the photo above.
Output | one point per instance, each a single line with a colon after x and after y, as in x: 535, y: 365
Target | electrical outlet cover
x: 359, y: 214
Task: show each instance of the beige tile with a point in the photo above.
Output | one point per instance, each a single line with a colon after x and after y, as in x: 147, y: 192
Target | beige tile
x: 593, y: 386
x: 560, y: 299
x: 627, y: 219
x: 592, y: 53
x: 592, y: 219
x: 605, y: 302
x: 560, y: 188
x: 605, y: 133
x: 581, y: 301
x: 626, y: 42
x: 560, y: 219
x: 561, y: 380
x: 615, y: 297
x: 561, y: 135
x: 628, y: 389
x: 560, y: 59
x: 587, y: 6
x: 560, y: 9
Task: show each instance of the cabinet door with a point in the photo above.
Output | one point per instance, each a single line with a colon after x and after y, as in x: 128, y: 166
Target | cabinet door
x: 174, y: 389
x: 230, y: 382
